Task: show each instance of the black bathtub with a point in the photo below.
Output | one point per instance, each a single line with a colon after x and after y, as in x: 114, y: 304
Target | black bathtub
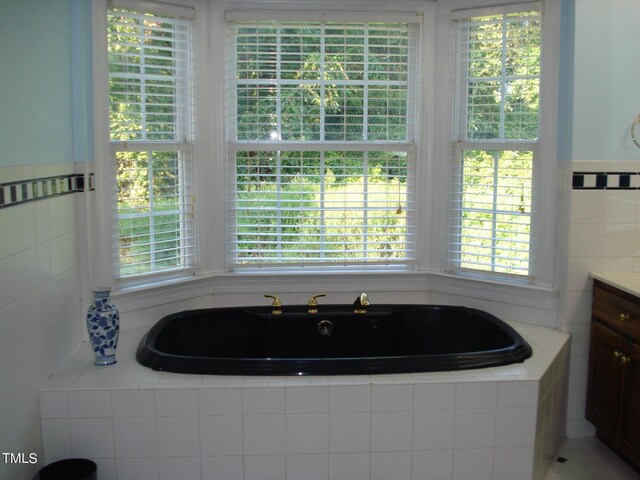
x: 334, y: 341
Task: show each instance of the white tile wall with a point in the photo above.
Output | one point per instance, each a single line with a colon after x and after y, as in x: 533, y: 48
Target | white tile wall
x: 264, y: 467
x: 307, y: 467
x: 264, y: 434
x: 178, y: 437
x: 602, y: 234
x: 391, y: 466
x: 474, y: 428
x: 512, y: 463
x: 263, y: 401
x: 354, y: 466
x: 136, y: 468
x: 221, y: 435
x: 223, y: 468
x: 432, y: 465
x: 218, y: 401
x: 182, y: 468
x: 349, y: 399
x: 474, y: 463
x: 176, y: 402
x: 307, y: 433
x: 349, y: 432
x: 307, y: 400
x: 40, y: 314
x: 391, y: 431
x: 93, y: 438
x: 433, y: 429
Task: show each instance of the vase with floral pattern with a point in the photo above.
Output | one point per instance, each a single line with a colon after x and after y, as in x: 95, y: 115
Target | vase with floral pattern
x: 103, y: 323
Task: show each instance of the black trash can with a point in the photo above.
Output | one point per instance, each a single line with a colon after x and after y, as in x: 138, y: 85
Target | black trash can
x: 69, y: 469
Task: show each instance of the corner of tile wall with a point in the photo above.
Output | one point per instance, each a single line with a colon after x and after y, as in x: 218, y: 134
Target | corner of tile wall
x: 602, y: 233
x: 40, y: 312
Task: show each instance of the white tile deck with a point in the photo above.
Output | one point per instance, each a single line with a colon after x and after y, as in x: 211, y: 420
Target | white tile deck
x: 79, y: 373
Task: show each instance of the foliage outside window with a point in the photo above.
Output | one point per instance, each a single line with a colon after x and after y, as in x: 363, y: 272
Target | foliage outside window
x: 150, y: 118
x: 496, y: 146
x: 321, y: 141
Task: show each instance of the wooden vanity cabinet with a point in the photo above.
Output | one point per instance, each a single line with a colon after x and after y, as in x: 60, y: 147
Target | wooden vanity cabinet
x: 613, y: 397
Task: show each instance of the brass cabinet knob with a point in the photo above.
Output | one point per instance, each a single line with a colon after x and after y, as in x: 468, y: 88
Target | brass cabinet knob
x: 623, y: 358
x: 624, y: 317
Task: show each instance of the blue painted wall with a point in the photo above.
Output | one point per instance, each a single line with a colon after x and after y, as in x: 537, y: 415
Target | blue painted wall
x: 35, y: 82
x: 606, y: 79
x: 82, y: 80
x: 565, y: 107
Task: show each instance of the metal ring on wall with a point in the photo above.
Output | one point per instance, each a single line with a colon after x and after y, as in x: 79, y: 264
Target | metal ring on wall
x: 636, y: 122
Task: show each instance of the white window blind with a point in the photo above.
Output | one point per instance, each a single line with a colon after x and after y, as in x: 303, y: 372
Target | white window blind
x: 496, y: 143
x: 151, y: 129
x: 321, y: 126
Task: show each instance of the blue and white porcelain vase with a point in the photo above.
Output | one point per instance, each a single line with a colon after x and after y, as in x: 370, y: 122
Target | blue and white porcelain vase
x: 103, y: 323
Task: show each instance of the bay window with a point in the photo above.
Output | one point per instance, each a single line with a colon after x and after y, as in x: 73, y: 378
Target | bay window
x: 326, y: 139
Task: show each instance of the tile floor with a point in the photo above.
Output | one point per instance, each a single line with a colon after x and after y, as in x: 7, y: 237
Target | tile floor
x: 589, y: 459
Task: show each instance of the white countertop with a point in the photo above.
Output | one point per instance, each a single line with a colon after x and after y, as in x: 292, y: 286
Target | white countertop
x: 626, y: 281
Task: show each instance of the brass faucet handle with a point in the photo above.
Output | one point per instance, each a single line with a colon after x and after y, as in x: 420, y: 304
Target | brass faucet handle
x: 276, y: 304
x: 361, y: 302
x: 364, y: 300
x: 276, y: 301
x: 313, y: 303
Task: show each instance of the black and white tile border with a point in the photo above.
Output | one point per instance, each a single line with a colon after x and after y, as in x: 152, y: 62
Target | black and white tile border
x: 23, y: 191
x: 606, y: 180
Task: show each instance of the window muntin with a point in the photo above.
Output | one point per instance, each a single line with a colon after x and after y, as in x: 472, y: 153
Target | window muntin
x: 301, y: 91
x: 496, y: 146
x: 151, y: 132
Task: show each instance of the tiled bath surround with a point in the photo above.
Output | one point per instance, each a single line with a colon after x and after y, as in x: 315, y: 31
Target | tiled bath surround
x: 603, y: 235
x: 39, y: 300
x: 505, y: 423
x: 40, y: 313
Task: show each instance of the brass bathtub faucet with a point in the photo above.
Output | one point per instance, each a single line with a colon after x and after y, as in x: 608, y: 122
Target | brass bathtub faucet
x: 313, y: 303
x: 361, y: 304
x: 276, y: 305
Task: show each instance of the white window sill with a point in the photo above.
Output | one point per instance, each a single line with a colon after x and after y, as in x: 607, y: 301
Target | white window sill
x: 245, y: 282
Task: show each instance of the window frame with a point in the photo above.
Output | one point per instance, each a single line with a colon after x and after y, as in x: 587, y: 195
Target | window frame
x: 543, y: 272
x: 321, y: 146
x: 177, y: 141
x: 460, y: 259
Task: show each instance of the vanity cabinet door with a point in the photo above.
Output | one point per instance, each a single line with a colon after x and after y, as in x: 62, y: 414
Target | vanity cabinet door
x: 604, y: 399
x: 630, y: 435
x: 613, y: 396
